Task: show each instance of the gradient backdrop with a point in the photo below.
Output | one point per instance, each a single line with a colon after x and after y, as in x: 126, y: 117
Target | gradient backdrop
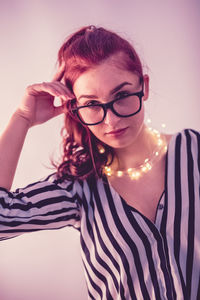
x: 47, y: 265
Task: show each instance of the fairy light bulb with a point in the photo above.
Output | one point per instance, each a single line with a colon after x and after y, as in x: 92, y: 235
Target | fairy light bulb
x: 144, y: 169
x: 108, y: 171
x: 135, y: 175
x: 148, y: 165
x: 132, y: 175
x: 156, y: 132
x: 119, y: 173
x: 101, y: 150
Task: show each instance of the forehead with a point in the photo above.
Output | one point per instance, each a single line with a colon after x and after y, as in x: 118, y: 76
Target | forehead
x: 104, y: 77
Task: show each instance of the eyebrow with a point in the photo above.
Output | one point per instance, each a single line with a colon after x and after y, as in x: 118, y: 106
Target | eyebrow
x: 117, y: 88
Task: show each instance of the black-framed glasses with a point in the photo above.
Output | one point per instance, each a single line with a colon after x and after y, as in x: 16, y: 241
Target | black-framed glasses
x: 124, y: 107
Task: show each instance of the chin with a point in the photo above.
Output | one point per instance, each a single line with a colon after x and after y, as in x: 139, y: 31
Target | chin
x: 119, y: 144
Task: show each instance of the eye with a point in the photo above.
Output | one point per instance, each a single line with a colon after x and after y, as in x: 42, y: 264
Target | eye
x: 91, y: 102
x: 122, y: 94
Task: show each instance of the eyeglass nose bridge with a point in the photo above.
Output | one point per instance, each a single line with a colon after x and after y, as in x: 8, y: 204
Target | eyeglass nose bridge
x: 107, y: 106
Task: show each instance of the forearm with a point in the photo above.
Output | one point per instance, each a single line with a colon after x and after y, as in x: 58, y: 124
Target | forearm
x: 11, y: 143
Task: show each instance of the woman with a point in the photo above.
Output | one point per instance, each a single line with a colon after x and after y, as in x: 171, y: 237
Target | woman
x: 131, y: 192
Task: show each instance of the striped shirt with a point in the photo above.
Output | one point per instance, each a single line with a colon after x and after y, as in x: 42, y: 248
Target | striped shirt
x: 125, y: 255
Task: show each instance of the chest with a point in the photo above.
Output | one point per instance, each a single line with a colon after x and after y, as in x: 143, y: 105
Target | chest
x: 143, y: 194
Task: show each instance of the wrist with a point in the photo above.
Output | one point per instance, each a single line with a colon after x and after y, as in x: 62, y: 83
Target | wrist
x: 18, y: 114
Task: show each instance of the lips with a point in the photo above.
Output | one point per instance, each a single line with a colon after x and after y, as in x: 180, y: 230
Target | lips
x: 117, y: 132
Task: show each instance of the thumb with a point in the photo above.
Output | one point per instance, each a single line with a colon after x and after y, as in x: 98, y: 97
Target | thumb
x: 58, y: 110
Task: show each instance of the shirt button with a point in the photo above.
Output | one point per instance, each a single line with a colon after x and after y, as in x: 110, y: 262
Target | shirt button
x: 160, y: 206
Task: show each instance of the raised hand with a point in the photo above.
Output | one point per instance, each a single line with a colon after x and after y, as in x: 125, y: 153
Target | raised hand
x: 37, y: 106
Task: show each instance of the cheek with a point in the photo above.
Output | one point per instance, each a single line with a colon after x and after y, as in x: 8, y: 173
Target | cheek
x: 139, y: 118
x: 97, y: 130
x: 135, y: 121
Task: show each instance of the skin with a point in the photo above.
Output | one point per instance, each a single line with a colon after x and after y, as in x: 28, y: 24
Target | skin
x: 134, y: 138
x: 37, y: 107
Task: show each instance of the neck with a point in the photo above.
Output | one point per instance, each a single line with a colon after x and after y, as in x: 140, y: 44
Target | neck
x: 134, y: 155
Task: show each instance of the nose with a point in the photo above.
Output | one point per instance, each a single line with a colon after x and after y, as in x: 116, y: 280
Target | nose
x: 111, y: 119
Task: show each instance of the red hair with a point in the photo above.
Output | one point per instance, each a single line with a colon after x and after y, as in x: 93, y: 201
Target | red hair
x: 82, y: 51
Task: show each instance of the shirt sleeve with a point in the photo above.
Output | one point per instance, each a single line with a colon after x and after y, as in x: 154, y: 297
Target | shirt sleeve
x: 193, y: 152
x: 43, y: 205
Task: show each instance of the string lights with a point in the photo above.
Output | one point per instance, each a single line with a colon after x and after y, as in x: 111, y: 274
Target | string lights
x: 146, y: 166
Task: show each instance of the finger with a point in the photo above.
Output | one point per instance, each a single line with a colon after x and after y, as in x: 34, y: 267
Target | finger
x: 59, y: 110
x: 62, y: 89
x: 42, y: 89
x: 60, y: 73
x: 46, y: 88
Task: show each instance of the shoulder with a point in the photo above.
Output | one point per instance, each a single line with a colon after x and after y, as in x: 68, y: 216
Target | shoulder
x: 66, y: 184
x: 187, y: 133
x: 79, y: 186
x: 185, y: 144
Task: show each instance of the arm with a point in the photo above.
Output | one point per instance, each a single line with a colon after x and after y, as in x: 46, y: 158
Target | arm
x: 11, y: 143
x: 43, y: 205
x: 46, y: 204
x: 36, y: 108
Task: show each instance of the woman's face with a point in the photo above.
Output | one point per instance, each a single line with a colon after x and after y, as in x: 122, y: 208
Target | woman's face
x: 98, y: 84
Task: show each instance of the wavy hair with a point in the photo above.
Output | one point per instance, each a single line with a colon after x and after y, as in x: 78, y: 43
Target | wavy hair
x: 83, y: 154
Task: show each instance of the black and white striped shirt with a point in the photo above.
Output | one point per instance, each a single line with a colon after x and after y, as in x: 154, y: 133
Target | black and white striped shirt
x: 125, y: 255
